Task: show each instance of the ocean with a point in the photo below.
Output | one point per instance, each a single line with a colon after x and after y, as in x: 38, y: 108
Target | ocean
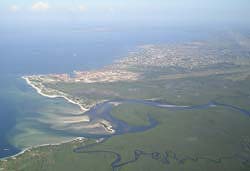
x: 25, y: 52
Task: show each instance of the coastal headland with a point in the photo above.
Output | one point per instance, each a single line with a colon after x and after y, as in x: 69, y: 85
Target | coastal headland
x: 163, y: 107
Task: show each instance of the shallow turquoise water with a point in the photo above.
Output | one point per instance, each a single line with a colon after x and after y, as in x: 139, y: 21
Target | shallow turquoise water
x: 21, y: 108
x: 45, y: 52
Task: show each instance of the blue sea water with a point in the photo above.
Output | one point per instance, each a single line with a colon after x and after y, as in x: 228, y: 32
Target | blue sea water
x: 25, y: 51
x: 7, y: 120
x: 58, y: 51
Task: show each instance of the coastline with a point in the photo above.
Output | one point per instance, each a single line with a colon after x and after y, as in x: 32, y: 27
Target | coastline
x: 39, y: 91
x: 42, y: 145
x: 106, y: 125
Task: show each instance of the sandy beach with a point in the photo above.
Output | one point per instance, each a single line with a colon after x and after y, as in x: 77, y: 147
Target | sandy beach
x: 53, y: 96
x: 43, y: 145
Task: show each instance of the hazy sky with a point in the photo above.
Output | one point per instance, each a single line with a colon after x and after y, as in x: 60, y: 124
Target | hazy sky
x: 35, y: 31
x: 126, y: 11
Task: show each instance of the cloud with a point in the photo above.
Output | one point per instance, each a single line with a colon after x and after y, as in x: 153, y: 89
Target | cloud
x: 111, y: 9
x: 40, y: 6
x: 14, y: 8
x: 82, y: 8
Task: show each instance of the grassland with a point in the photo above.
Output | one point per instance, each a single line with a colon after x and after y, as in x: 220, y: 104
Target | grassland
x: 192, y: 89
x: 207, y: 135
x: 216, y: 138
x: 213, y: 138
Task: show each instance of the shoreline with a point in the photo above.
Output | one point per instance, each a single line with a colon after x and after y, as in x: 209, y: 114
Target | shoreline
x: 83, y: 109
x: 42, y: 145
x: 39, y: 91
x: 107, y: 127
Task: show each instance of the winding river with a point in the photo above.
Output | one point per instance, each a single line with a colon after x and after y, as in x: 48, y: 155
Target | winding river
x: 122, y: 127
x: 163, y: 157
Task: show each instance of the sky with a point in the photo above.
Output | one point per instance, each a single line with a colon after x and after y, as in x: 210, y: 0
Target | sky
x: 33, y: 31
x: 129, y: 12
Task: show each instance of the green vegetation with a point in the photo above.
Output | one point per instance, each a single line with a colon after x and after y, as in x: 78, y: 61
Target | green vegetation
x: 51, y: 158
x: 214, y: 138
x: 206, y: 134
x: 123, y: 112
x: 190, y: 90
x: 213, y: 133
